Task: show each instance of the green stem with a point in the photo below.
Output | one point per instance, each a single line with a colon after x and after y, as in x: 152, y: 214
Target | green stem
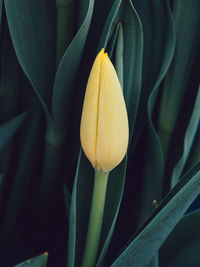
x: 96, y: 219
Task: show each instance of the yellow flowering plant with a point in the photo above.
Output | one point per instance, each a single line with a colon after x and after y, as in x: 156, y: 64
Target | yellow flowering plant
x: 112, y: 178
x: 104, y: 135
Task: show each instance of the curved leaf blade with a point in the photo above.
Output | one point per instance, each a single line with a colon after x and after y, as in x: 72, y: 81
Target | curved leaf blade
x: 145, y: 245
x: 23, y: 176
x: 39, y: 261
x: 186, y: 21
x: 32, y: 28
x: 154, y: 161
x: 157, y: 26
x: 66, y: 73
x: 188, y: 141
x: 182, y: 246
x: 125, y: 13
x: 8, y: 129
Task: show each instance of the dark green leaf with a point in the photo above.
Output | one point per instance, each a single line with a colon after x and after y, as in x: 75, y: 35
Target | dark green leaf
x: 9, y: 128
x: 188, y: 141
x: 154, y: 262
x: 154, y: 161
x: 124, y: 12
x: 39, y: 261
x: 187, y: 21
x: 32, y: 28
x: 159, y: 44
x: 183, y: 244
x: 80, y: 207
x: 79, y: 210
x: 24, y: 173
x: 66, y: 73
x: 119, y: 58
x: 150, y: 238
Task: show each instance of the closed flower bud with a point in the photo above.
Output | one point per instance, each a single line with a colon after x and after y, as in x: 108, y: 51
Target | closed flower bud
x: 104, y: 124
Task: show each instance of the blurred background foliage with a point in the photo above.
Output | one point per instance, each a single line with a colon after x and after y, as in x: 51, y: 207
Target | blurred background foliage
x: 46, y: 52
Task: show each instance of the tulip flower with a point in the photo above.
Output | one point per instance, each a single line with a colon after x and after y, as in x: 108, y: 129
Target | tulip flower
x: 104, y: 137
x: 104, y: 123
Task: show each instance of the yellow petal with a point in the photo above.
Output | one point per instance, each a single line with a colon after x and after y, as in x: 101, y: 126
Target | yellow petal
x: 104, y: 123
x: 112, y: 128
x: 88, y: 131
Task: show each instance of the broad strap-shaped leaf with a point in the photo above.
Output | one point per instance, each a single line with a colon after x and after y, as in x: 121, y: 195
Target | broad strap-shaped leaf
x: 151, y: 236
x: 154, y: 161
x: 38, y: 261
x: 123, y: 12
x: 80, y: 208
x: 66, y: 74
x: 186, y: 21
x: 32, y: 28
x: 183, y: 244
x: 158, y: 37
x: 8, y: 129
x: 24, y: 173
x: 188, y: 141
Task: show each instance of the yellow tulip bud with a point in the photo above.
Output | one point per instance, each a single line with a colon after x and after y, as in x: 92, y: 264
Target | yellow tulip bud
x: 104, y: 124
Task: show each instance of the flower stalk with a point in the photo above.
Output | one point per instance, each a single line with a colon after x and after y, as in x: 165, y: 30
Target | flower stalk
x: 96, y: 219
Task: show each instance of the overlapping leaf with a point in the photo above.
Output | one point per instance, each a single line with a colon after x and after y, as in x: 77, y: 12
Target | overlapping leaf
x: 145, y: 245
x: 186, y: 21
x: 66, y: 73
x: 80, y: 205
x: 124, y: 12
x: 188, y: 140
x: 9, y: 128
x: 24, y: 173
x: 154, y: 162
x: 39, y: 261
x: 155, y: 22
x: 182, y: 246
x: 32, y: 29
